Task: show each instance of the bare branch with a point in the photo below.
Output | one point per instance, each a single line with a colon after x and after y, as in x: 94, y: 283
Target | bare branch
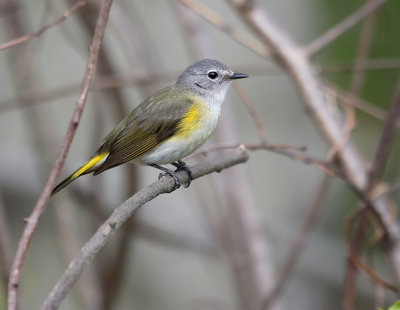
x: 293, y: 59
x: 385, y: 141
x: 126, y: 210
x: 355, y: 101
x: 256, y: 120
x: 364, y: 44
x: 32, y: 221
x: 216, y: 20
x: 59, y: 20
x: 356, y: 84
x: 333, y: 33
x: 290, y: 151
x: 354, y: 259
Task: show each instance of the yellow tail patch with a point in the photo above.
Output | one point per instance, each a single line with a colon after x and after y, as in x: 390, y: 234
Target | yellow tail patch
x: 86, y: 168
x: 90, y: 164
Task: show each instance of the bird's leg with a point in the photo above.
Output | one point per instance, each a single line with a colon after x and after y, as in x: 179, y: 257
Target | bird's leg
x: 167, y: 172
x: 181, y: 166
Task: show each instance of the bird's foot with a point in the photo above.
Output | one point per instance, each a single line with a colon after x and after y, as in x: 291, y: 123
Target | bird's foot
x: 167, y: 172
x: 173, y: 175
x: 181, y: 166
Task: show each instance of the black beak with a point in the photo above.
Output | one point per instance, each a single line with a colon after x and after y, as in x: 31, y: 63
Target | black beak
x: 236, y: 76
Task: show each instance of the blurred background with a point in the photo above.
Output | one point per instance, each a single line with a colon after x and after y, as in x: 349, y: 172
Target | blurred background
x: 188, y: 249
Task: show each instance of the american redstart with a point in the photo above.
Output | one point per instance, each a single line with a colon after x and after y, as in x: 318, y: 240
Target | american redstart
x: 168, y: 126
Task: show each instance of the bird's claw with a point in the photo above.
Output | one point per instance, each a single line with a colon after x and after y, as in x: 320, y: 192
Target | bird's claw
x: 173, y: 175
x: 181, y: 166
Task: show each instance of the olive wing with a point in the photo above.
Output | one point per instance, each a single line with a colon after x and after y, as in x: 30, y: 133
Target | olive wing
x: 151, y: 124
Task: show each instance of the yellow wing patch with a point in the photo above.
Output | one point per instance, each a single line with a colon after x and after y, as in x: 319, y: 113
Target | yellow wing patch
x: 191, y: 119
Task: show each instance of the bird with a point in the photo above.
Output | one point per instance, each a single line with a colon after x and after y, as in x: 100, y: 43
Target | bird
x: 167, y: 126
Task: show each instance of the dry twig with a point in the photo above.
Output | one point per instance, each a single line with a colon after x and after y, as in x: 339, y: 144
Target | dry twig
x: 253, y: 114
x: 59, y: 20
x: 217, y: 21
x: 33, y: 219
x: 356, y: 84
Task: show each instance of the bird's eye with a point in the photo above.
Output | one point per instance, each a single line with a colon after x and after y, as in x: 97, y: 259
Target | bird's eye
x: 212, y: 75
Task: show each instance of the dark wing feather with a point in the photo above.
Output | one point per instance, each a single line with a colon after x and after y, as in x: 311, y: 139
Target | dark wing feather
x: 151, y: 123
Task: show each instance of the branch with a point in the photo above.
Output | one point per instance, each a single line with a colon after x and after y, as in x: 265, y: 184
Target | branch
x: 32, y: 221
x: 363, y: 49
x: 123, y: 212
x: 217, y: 21
x: 29, y: 36
x: 252, y: 112
x: 385, y: 141
x: 295, y: 61
x: 290, y: 151
x: 356, y: 84
x: 352, y: 100
x: 356, y: 261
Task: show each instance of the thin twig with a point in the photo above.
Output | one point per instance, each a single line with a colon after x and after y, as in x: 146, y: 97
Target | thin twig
x: 354, y: 258
x: 385, y: 141
x: 356, y: 84
x: 111, y: 267
x: 253, y: 114
x: 123, y: 212
x: 333, y: 33
x: 289, y: 151
x: 216, y: 20
x: 32, y: 221
x: 59, y: 20
x: 364, y: 44
x: 356, y: 102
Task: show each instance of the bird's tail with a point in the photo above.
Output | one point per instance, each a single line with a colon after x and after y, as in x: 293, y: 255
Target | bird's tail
x: 88, y: 167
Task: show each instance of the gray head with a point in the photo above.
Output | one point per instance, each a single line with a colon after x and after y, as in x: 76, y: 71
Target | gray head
x: 208, y: 77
